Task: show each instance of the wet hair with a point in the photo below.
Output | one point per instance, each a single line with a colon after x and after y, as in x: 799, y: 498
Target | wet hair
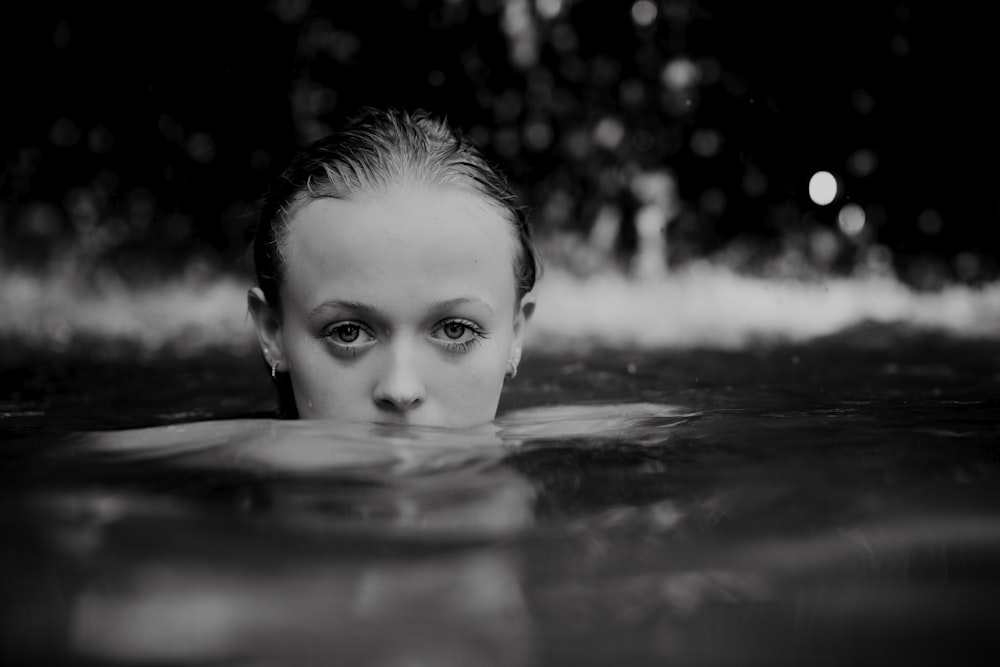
x: 374, y: 152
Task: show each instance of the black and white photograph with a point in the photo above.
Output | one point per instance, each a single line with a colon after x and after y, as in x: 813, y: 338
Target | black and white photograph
x: 499, y: 333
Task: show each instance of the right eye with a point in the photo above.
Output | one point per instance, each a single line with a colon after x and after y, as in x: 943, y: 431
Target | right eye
x: 349, y: 335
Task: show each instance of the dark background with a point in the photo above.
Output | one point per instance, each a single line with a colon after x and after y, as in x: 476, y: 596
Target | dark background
x: 136, y: 136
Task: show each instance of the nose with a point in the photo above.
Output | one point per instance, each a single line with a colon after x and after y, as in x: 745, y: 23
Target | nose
x: 399, y: 388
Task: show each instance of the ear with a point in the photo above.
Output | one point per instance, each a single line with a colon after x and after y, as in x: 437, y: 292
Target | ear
x: 525, y: 309
x: 267, y: 322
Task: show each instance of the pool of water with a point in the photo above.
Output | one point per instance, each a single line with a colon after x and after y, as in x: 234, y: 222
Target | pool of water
x: 835, y: 502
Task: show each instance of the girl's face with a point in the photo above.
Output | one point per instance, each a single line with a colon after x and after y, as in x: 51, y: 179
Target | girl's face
x: 398, y: 309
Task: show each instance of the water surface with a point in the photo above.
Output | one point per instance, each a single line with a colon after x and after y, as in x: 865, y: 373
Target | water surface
x: 825, y: 502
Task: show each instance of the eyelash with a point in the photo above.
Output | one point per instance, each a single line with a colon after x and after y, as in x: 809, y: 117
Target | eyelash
x: 478, y: 335
x: 461, y: 347
x: 353, y: 350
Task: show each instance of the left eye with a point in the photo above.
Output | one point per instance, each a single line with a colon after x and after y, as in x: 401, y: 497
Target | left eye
x: 349, y: 335
x: 454, y: 330
x: 457, y: 332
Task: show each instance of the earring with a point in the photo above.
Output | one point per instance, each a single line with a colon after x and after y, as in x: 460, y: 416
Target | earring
x: 513, y: 363
x: 271, y: 362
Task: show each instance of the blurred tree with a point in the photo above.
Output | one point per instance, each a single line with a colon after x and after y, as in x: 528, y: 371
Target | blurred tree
x: 137, y: 130
x: 163, y: 117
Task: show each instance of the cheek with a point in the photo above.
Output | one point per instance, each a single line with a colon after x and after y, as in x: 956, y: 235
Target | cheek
x: 323, y: 389
x: 474, y: 383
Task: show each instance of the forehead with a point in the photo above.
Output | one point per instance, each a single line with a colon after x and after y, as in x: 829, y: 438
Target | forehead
x: 413, y: 238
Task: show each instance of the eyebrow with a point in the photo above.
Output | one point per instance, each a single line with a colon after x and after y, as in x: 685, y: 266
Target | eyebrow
x: 366, y: 310
x: 449, y: 304
x: 338, y: 304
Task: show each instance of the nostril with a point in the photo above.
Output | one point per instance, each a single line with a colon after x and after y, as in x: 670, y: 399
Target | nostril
x: 399, y: 387
x: 398, y: 403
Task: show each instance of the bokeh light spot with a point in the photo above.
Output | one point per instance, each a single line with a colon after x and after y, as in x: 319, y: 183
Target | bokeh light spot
x: 877, y: 260
x: 549, y: 9
x: 519, y: 25
x: 824, y: 245
x: 679, y: 74
x: 170, y: 129
x: 643, y: 141
x: 967, y: 266
x: 64, y: 133
x: 100, y: 140
x: 563, y: 37
x: 851, y: 219
x: 712, y: 201
x: 644, y: 12
x: 632, y: 92
x: 61, y: 35
x: 823, y: 188
x: 862, y: 162
x: 706, y: 143
x: 201, y: 147
x: 930, y: 222
x: 435, y: 78
x: 899, y: 45
x: 538, y: 135
x: 862, y: 101
x: 609, y: 133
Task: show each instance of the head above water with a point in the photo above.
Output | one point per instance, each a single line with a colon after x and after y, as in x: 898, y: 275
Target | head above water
x: 394, y: 272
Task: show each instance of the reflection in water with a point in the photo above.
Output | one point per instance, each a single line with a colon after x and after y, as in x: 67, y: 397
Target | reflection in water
x: 820, y: 501
x: 430, y: 609
x: 280, y: 541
